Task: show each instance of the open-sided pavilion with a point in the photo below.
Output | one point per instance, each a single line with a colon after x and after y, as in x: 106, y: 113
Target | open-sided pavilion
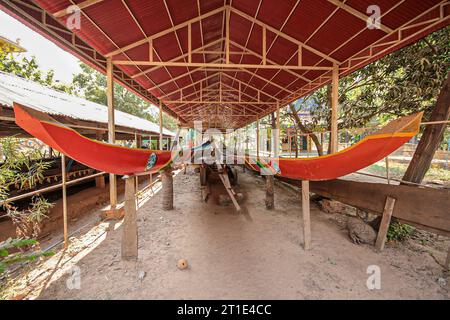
x: 229, y: 63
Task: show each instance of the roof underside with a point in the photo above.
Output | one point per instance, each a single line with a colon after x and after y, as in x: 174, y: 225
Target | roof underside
x: 229, y: 62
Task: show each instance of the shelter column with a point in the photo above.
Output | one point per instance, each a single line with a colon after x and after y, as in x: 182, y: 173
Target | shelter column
x: 166, y: 174
x: 130, y: 229
x: 160, y: 126
x: 257, y: 138
x: 111, y: 128
x: 270, y: 179
x: 334, y: 110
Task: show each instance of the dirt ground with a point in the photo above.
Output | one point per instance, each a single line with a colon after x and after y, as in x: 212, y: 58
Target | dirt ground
x: 257, y: 254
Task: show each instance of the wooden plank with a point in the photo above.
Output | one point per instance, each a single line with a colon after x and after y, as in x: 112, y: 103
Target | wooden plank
x: 385, y: 222
x: 425, y: 208
x: 231, y: 193
x: 129, y: 226
x: 306, y: 215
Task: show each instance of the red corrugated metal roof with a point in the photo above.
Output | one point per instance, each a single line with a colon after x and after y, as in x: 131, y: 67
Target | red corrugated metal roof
x: 330, y: 31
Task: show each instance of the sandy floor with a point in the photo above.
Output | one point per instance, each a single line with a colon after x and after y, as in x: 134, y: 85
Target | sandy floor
x: 256, y: 255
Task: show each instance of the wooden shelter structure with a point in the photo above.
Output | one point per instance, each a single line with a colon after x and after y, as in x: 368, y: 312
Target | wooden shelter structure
x: 229, y: 63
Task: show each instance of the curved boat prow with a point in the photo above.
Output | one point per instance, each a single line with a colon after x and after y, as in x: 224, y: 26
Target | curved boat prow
x: 95, y: 154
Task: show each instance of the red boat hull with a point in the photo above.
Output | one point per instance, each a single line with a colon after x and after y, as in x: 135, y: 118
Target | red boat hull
x: 95, y: 154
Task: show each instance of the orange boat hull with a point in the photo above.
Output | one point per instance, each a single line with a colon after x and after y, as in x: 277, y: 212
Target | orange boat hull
x: 95, y: 154
x: 363, y: 154
x: 129, y: 161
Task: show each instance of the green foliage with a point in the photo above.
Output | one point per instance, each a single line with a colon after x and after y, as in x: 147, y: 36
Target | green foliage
x: 23, y: 169
x: 92, y: 86
x: 28, y: 68
x: 399, y: 232
x: 401, y: 83
x: 8, y: 258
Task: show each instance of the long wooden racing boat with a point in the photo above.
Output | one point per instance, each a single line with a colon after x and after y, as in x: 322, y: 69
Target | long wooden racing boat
x: 366, y: 152
x: 131, y: 161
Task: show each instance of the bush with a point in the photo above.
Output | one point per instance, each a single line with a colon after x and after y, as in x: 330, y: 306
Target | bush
x: 399, y: 232
x: 8, y: 258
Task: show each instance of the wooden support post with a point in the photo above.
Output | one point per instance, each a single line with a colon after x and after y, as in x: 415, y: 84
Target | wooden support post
x: 306, y: 215
x: 111, y: 128
x: 130, y: 229
x: 385, y: 222
x: 276, y: 142
x: 138, y: 142
x: 447, y: 261
x: 100, y: 182
x: 257, y: 138
x: 270, y: 199
x: 167, y: 188
x: 160, y: 125
x: 64, y: 195
x: 334, y: 110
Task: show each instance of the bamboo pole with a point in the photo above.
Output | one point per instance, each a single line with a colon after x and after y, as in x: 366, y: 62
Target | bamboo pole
x: 64, y: 196
x: 111, y: 128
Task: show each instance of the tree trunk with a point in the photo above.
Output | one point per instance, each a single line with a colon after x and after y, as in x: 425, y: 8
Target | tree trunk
x: 431, y: 137
x: 304, y: 130
x: 167, y: 189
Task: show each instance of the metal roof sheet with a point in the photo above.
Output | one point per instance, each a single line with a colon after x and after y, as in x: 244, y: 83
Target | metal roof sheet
x: 54, y: 102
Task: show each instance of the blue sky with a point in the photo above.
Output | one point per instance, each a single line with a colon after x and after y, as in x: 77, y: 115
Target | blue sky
x: 48, y: 55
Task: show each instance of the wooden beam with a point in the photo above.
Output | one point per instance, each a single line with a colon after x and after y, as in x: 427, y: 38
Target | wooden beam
x: 111, y: 128
x: 385, y: 222
x: 306, y: 215
x: 412, y: 204
x: 166, y: 31
x: 129, y: 226
x: 219, y: 65
x: 283, y: 35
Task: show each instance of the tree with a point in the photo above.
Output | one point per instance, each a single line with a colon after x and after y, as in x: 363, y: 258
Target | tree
x: 431, y: 137
x: 91, y: 84
x: 401, y: 83
x: 29, y: 69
